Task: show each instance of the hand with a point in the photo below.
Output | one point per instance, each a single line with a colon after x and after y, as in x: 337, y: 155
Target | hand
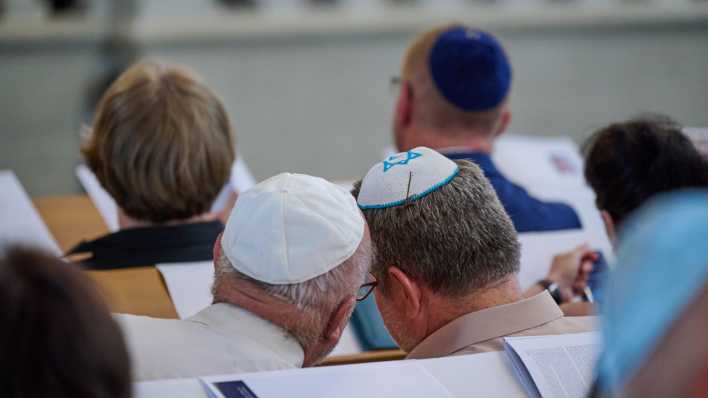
x: 570, y: 270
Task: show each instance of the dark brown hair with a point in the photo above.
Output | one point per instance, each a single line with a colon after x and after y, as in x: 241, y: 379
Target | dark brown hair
x: 629, y: 162
x: 57, y: 338
x: 161, y: 144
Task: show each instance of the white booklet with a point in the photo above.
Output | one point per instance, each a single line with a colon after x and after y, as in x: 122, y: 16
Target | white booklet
x: 241, y: 180
x: 376, y: 380
x: 21, y: 224
x: 554, y: 366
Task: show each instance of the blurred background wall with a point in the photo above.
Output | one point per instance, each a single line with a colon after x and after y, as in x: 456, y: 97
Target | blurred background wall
x: 307, y: 86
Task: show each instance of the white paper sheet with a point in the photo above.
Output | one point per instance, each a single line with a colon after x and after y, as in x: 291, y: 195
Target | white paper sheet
x: 189, y: 285
x: 539, y: 248
x: 541, y: 162
x: 485, y: 375
x: 402, y: 379
x: 699, y: 136
x: 19, y: 221
x: 557, y: 366
x: 241, y: 180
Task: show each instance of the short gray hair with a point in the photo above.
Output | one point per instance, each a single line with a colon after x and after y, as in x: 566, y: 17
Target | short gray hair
x: 456, y: 239
x: 316, y: 293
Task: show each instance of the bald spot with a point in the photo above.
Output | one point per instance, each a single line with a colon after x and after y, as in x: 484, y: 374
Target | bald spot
x: 432, y: 109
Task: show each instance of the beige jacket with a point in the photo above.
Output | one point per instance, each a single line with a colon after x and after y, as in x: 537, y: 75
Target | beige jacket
x: 483, y: 331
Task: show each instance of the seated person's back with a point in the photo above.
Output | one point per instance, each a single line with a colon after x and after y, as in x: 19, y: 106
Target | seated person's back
x: 57, y: 337
x: 446, y: 258
x: 162, y: 146
x: 287, y: 268
x: 455, y: 84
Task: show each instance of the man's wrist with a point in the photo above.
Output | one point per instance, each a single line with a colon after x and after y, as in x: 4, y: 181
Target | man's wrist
x: 553, y: 288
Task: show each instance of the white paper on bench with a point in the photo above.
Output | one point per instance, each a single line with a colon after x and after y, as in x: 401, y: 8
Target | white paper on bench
x: 556, y: 366
x: 484, y: 375
x: 19, y: 221
x: 189, y: 286
x: 241, y: 180
x: 380, y: 380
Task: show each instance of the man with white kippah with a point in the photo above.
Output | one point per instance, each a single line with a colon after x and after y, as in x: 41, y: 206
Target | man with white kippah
x: 446, y: 258
x: 288, y: 266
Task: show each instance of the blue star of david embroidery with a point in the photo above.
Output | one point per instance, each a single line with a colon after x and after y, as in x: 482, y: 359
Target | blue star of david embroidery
x: 396, y: 160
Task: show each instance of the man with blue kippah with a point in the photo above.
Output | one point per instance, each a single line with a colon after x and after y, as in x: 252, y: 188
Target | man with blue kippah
x: 454, y: 93
x: 656, y: 303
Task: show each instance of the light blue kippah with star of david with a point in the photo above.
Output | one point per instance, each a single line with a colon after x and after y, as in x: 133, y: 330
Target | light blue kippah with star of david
x: 405, y: 177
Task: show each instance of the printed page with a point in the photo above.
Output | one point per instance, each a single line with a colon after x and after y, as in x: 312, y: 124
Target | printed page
x: 377, y: 380
x: 561, y: 366
x: 21, y: 224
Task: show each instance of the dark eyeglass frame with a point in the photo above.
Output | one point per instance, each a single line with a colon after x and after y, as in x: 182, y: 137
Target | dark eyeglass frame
x: 395, y: 83
x: 368, y: 285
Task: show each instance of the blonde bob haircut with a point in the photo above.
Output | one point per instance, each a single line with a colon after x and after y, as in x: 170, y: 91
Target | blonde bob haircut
x: 161, y: 143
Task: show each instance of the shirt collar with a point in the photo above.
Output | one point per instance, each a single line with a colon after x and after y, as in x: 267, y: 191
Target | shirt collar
x: 150, y: 245
x: 488, y: 324
x: 231, y: 321
x: 483, y: 160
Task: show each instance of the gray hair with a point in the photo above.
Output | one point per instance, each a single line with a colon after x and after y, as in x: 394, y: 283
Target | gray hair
x: 320, y: 293
x: 456, y: 239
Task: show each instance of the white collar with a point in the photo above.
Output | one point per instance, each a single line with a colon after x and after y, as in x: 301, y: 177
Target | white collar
x: 230, y: 321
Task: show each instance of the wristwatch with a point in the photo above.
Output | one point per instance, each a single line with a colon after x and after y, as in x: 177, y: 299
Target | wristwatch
x: 552, y: 288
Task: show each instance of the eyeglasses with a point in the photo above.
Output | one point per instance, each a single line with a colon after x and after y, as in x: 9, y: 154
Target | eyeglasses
x: 366, y: 289
x: 395, y: 84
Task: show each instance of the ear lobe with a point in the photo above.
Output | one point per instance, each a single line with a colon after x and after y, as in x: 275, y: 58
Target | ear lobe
x: 609, y: 226
x: 407, y: 289
x: 217, y: 247
x: 504, y: 121
x: 405, y: 104
x: 339, y: 319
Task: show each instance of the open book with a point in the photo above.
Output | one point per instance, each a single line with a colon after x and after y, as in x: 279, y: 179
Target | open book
x: 554, y: 366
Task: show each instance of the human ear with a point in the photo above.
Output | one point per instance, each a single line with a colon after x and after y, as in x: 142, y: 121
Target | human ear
x: 406, y: 291
x: 504, y: 121
x: 609, y: 226
x: 338, y: 320
x: 403, y: 115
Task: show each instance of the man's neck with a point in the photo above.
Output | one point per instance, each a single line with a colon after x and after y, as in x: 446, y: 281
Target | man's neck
x: 443, y: 310
x: 275, y: 310
x: 125, y: 221
x: 468, y: 141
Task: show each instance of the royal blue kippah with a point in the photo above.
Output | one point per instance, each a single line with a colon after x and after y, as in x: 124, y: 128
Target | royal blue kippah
x: 470, y: 69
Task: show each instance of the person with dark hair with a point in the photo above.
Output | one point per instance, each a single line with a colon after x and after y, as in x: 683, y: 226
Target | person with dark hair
x: 57, y: 337
x: 627, y: 163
